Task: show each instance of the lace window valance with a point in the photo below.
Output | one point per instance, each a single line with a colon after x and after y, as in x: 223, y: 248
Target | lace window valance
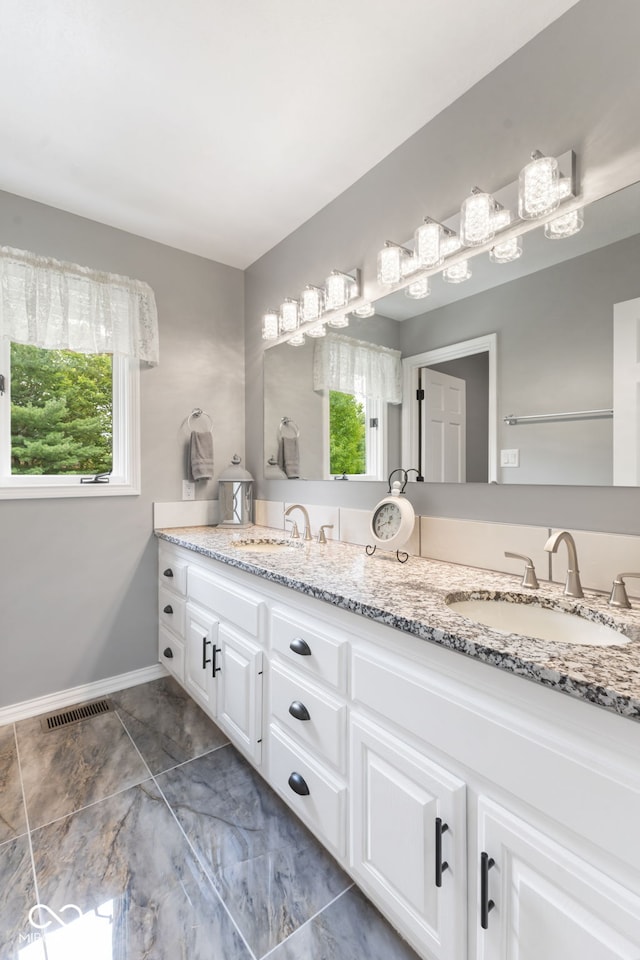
x: 353, y: 366
x: 62, y: 306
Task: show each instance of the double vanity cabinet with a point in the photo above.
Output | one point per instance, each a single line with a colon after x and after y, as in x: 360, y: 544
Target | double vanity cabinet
x: 487, y: 817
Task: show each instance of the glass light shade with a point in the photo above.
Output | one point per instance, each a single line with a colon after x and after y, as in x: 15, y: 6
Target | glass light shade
x: 450, y: 243
x: 538, y: 188
x: 390, y: 264
x: 339, y: 289
x: 319, y: 331
x: 476, y: 220
x: 408, y: 264
x: 341, y: 320
x: 457, y: 272
x: 288, y: 315
x: 418, y: 289
x: 311, y: 303
x: 565, y: 226
x: 296, y: 340
x: 365, y: 311
x: 428, y: 244
x: 506, y: 251
x: 270, y: 325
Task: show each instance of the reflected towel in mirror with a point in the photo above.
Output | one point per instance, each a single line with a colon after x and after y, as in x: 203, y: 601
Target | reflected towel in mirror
x: 289, y: 457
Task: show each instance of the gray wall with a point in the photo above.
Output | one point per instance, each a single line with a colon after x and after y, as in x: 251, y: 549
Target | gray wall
x: 576, y: 86
x: 78, y: 579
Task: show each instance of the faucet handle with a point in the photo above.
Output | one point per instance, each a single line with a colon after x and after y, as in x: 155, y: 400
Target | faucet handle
x: 322, y: 537
x: 619, y: 596
x: 295, y: 533
x: 529, y: 578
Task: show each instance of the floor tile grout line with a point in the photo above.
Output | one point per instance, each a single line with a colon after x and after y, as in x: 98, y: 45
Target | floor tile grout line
x: 190, y: 845
x: 94, y: 803
x: 302, y: 925
x: 28, y: 834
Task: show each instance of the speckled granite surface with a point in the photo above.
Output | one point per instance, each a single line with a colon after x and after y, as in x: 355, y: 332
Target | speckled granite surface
x: 412, y: 597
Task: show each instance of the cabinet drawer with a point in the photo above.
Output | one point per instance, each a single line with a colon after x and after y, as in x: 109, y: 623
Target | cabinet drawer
x: 301, y: 643
x: 230, y: 603
x: 171, y: 610
x: 173, y: 573
x: 324, y: 732
x: 171, y: 652
x: 323, y: 809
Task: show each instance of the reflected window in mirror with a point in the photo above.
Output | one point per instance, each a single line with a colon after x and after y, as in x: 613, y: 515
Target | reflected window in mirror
x: 356, y: 426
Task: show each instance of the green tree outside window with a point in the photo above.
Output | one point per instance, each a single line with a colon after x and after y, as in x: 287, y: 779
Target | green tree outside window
x: 347, y: 430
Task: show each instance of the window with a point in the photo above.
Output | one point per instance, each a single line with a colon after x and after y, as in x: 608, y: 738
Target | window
x: 65, y: 416
x: 356, y: 431
x: 71, y: 339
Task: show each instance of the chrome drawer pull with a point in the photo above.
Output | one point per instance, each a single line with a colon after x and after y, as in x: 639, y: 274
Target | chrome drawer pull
x: 299, y: 711
x: 300, y: 646
x: 299, y: 785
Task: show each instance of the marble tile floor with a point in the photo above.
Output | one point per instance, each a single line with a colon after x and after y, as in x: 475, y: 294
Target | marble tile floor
x: 142, y: 834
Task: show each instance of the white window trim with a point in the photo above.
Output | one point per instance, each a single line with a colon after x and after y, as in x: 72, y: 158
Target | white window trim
x: 125, y: 477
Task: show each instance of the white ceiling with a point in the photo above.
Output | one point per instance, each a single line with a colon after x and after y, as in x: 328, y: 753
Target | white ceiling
x: 219, y: 126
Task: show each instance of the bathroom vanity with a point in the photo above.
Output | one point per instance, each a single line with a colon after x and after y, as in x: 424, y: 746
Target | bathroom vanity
x: 487, y: 815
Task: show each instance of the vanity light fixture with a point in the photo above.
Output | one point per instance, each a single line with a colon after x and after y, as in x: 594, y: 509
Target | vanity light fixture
x: 428, y: 243
x: 340, y: 288
x: 538, y: 187
x: 296, y: 340
x: 394, y: 263
x: 365, y: 311
x: 270, y: 325
x: 418, y: 289
x: 477, y: 220
x: 507, y: 251
x: 451, y: 242
x: 565, y: 226
x: 340, y: 320
x: 311, y: 303
x: 318, y: 331
x: 288, y: 315
x: 457, y: 272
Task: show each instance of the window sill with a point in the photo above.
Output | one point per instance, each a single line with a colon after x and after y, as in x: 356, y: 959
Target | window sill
x: 82, y: 491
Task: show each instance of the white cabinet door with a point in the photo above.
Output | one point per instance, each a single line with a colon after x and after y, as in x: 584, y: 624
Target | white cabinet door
x: 201, y: 635
x: 547, y: 903
x: 408, y: 847
x: 240, y: 691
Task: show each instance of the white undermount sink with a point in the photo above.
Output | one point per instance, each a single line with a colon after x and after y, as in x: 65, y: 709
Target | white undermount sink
x: 264, y: 544
x: 531, y: 619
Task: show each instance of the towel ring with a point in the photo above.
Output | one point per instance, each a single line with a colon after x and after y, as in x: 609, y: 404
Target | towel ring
x: 288, y: 422
x: 196, y: 414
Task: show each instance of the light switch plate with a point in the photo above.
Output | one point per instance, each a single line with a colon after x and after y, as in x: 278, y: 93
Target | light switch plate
x: 509, y: 458
x: 188, y: 490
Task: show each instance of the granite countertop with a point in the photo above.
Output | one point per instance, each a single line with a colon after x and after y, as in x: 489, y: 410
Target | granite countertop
x: 411, y: 597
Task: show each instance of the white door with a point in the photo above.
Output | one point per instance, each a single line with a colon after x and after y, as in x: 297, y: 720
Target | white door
x: 408, y: 847
x: 201, y: 653
x: 443, y: 427
x: 240, y: 691
x: 547, y: 902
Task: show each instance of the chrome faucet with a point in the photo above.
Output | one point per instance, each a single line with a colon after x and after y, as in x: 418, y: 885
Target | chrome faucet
x: 307, y: 527
x: 572, y: 587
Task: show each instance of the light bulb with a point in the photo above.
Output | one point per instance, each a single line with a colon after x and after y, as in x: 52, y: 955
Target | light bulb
x: 339, y: 289
x: 457, y: 272
x: 538, y: 187
x: 319, y: 331
x: 288, y: 315
x: 270, y: 325
x: 428, y: 241
x: 565, y: 226
x: 341, y: 320
x: 366, y: 310
x: 418, y: 289
x: 390, y: 264
x: 311, y: 303
x: 506, y: 251
x: 476, y: 220
x: 296, y: 340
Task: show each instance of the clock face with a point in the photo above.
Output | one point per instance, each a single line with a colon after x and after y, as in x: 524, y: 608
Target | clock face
x: 386, y: 521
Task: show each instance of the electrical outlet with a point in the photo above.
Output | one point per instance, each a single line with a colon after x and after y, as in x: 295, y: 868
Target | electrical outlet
x: 188, y: 490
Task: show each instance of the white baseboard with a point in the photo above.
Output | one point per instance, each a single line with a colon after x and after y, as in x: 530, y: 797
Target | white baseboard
x: 86, y: 691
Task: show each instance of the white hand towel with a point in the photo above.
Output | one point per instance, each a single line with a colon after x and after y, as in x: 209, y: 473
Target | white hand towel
x: 200, y: 462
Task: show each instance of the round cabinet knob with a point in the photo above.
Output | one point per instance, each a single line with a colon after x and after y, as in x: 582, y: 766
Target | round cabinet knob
x: 168, y: 572
x: 168, y: 609
x: 300, y: 646
x: 168, y: 653
x: 299, y: 711
x: 299, y: 785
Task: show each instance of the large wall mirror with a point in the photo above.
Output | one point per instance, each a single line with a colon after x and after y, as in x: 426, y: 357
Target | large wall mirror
x: 556, y: 403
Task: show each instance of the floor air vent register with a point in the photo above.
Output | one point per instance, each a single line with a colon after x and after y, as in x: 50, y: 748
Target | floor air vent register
x: 63, y: 718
